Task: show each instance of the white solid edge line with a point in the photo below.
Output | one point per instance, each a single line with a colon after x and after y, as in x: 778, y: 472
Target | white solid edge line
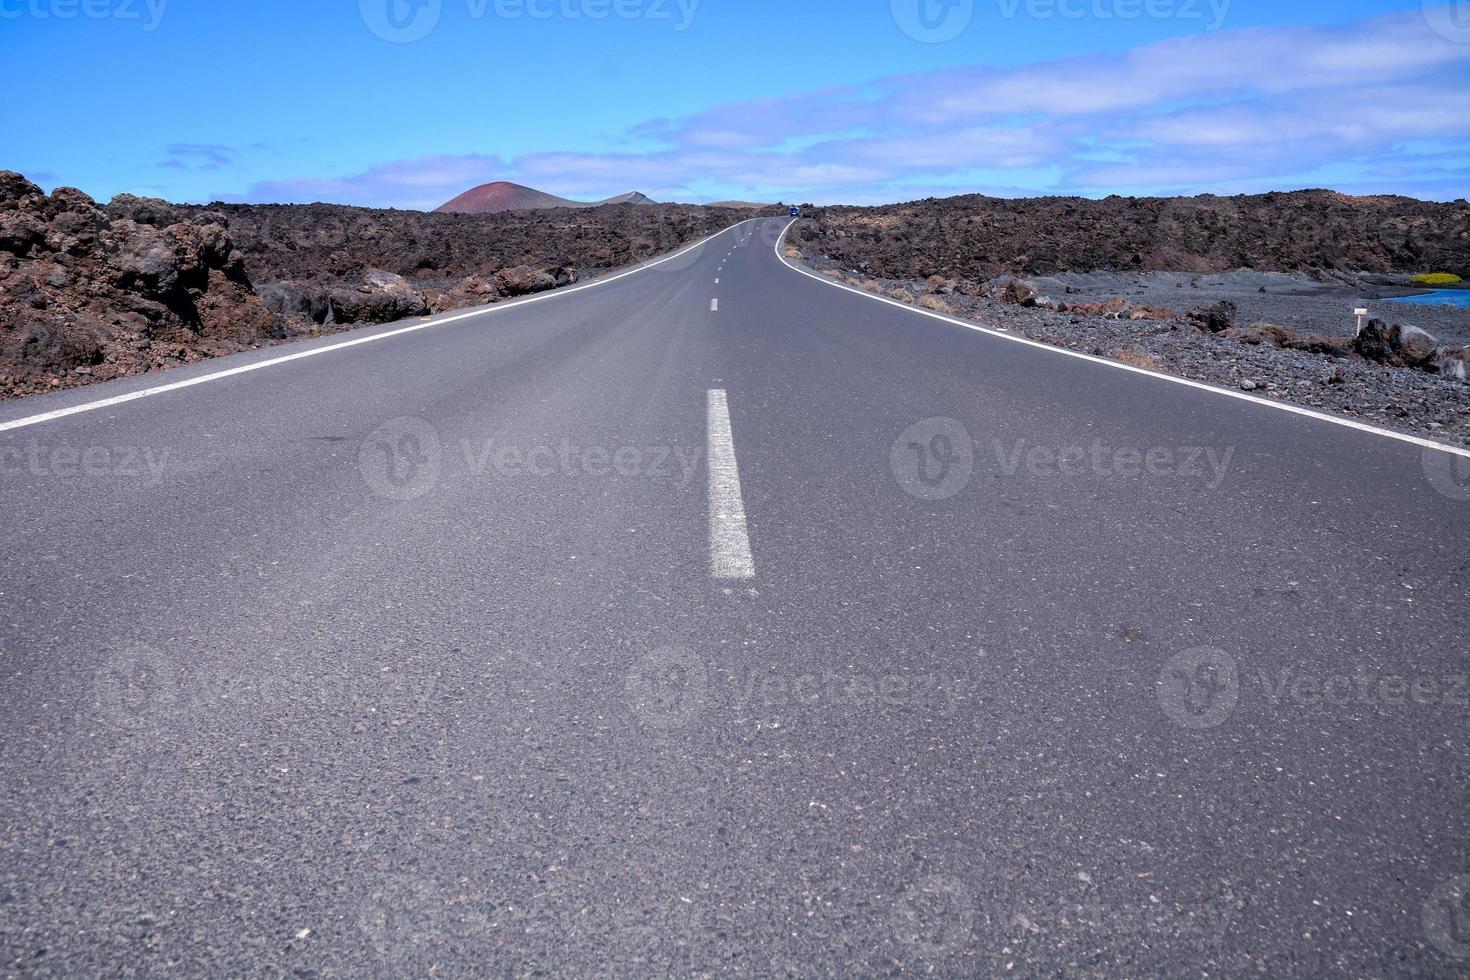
x: 1173, y: 379
x: 299, y: 355
x: 729, y: 539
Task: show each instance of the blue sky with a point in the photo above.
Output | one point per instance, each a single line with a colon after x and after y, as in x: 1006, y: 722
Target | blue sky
x: 408, y: 102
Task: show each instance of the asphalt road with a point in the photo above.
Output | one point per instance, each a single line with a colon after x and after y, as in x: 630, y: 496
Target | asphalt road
x: 619, y: 634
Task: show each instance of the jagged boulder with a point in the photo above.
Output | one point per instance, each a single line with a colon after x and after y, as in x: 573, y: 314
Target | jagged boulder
x: 1019, y: 292
x: 381, y: 297
x: 1280, y: 335
x: 21, y: 232
x: 14, y: 189
x: 1270, y: 334
x: 522, y: 279
x: 1214, y: 317
x: 144, y: 210
x: 1396, y: 345
x: 86, y: 295
x: 1115, y: 309
x: 140, y: 258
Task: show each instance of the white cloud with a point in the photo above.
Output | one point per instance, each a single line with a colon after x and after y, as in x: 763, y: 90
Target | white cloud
x: 1259, y: 108
x: 422, y: 183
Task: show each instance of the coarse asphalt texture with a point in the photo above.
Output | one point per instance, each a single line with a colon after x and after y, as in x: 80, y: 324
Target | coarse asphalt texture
x: 412, y: 658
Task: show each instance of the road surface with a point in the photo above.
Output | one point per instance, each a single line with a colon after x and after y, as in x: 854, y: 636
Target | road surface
x: 714, y: 619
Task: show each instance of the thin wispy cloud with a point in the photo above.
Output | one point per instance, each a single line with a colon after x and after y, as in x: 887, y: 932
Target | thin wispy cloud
x: 199, y: 156
x: 1256, y: 109
x: 420, y: 183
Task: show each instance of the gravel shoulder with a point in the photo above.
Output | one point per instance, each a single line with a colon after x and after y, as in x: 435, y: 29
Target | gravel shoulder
x: 1167, y: 339
x: 1272, y: 297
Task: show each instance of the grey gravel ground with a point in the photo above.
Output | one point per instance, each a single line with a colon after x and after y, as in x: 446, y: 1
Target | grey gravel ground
x: 1295, y: 300
x: 1402, y: 399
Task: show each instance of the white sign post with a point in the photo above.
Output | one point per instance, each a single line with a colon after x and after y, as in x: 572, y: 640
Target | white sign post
x: 1360, y: 314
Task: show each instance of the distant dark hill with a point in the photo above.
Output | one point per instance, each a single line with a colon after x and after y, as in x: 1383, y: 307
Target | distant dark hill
x: 502, y: 195
x: 632, y: 197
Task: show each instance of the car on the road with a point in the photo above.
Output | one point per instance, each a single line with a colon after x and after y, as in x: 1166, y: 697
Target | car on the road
x: 795, y: 212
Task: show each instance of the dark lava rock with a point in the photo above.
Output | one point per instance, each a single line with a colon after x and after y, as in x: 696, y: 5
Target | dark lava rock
x: 521, y: 279
x: 332, y: 243
x: 381, y: 297
x: 86, y: 296
x: 1214, y: 317
x: 141, y: 283
x: 980, y: 237
x: 1262, y: 333
x: 1019, y: 292
x: 1278, y: 335
x: 1396, y: 345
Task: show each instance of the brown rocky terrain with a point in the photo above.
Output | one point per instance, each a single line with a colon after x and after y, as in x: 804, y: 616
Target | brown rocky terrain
x: 90, y: 292
x: 1165, y: 283
x: 979, y: 237
x: 326, y: 264
x: 85, y: 295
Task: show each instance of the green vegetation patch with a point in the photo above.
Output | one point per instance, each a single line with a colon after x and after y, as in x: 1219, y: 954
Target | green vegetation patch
x: 1437, y: 279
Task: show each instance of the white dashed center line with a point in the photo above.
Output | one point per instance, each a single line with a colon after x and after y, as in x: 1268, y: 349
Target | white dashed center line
x: 714, y: 306
x: 729, y: 539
